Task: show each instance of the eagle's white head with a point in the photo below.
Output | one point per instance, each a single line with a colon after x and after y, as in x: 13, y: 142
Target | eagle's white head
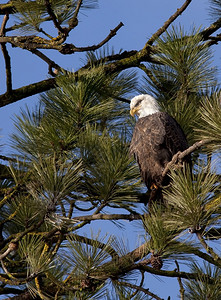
x: 143, y: 105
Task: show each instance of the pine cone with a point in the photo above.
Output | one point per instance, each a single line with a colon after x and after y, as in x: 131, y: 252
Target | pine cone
x: 156, y: 261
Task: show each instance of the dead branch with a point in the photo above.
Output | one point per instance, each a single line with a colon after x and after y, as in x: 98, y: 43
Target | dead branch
x: 70, y: 48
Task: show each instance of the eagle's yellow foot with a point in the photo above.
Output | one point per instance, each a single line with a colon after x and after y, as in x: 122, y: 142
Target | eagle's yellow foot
x: 153, y: 187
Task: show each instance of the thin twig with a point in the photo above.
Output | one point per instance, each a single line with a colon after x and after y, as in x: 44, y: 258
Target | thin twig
x: 167, y: 23
x: 70, y: 48
x: 180, y: 282
x: 145, y: 291
x: 77, y: 9
x: 53, y: 17
x: 73, y: 22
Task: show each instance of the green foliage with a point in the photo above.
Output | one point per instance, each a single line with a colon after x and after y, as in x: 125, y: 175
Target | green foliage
x: 209, y: 124
x: 85, y: 257
x: 72, y: 168
x: 204, y: 288
x: 77, y: 102
x: 164, y: 239
x: 191, y: 197
x: 184, y: 70
x: 184, y: 65
x: 32, y: 14
x: 109, y: 175
x: 215, y: 9
x: 31, y: 249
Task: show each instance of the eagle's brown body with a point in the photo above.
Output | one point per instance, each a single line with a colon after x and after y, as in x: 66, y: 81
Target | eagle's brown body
x: 156, y: 138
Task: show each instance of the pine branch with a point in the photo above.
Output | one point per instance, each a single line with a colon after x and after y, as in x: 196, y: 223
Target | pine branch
x: 33, y: 42
x: 89, y: 241
x: 204, y: 256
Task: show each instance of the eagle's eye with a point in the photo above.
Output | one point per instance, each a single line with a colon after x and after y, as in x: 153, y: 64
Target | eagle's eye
x: 138, y: 103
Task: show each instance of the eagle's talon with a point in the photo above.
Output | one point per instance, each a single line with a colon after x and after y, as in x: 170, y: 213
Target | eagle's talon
x: 154, y: 187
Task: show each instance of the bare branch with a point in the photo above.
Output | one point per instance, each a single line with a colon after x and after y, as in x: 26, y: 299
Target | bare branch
x: 70, y: 48
x: 26, y: 91
x: 51, y: 64
x: 139, y: 288
x: 172, y: 274
x: 180, y: 155
x: 167, y: 23
x: 107, y: 217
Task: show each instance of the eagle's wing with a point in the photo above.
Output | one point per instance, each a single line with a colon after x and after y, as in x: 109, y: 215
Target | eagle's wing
x: 175, y: 138
x: 155, y: 140
x: 146, y: 146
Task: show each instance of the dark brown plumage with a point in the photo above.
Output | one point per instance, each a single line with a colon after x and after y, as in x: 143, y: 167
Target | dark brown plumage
x: 157, y: 137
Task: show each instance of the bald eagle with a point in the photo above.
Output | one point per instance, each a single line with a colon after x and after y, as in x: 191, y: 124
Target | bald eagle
x: 156, y: 138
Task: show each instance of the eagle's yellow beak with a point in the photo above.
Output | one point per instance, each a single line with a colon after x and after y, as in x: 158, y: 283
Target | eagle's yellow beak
x: 134, y: 111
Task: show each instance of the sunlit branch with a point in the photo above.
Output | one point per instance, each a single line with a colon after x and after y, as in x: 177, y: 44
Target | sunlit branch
x: 130, y: 217
x: 180, y: 155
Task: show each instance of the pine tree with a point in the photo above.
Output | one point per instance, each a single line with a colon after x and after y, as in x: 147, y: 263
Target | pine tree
x: 70, y: 165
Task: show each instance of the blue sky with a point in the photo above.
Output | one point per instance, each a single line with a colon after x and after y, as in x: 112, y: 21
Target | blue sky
x: 141, y: 19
